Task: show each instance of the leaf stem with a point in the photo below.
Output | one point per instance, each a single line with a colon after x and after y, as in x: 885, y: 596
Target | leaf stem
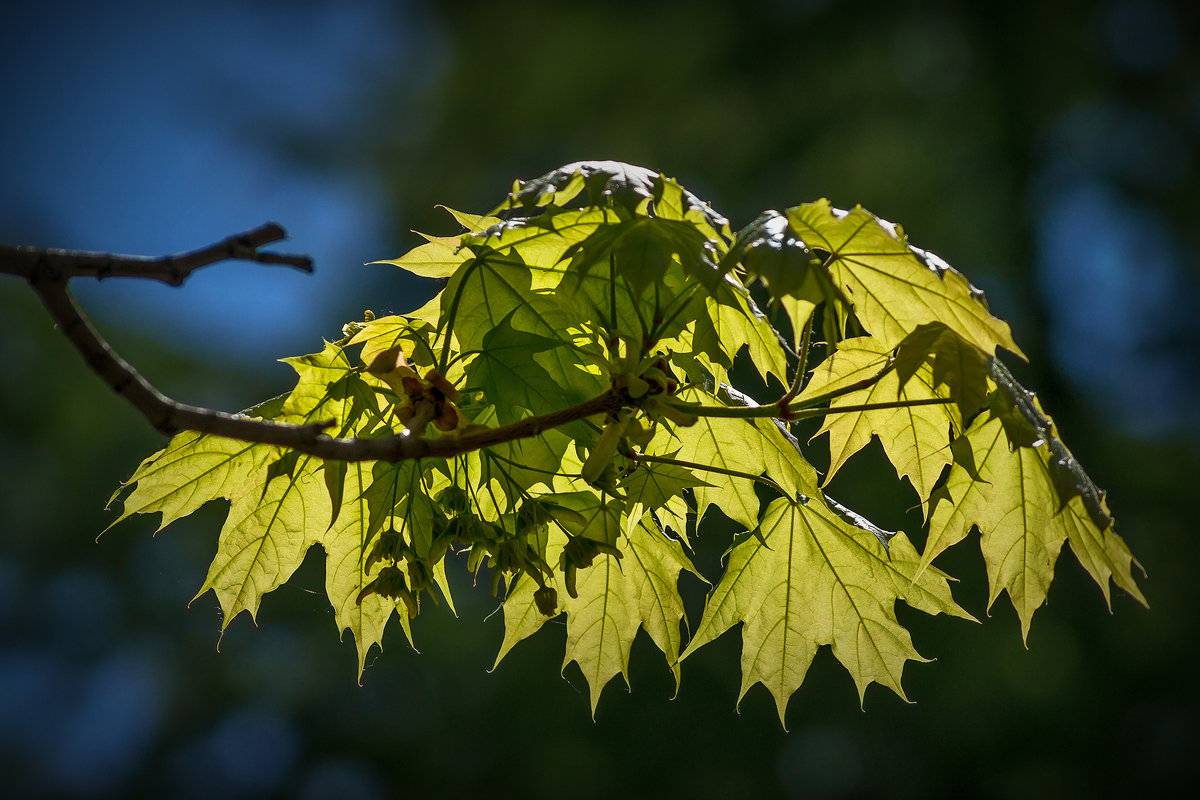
x: 801, y: 368
x: 734, y: 473
x: 775, y: 411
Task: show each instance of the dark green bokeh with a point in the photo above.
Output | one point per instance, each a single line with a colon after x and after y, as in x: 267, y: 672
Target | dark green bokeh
x: 941, y: 118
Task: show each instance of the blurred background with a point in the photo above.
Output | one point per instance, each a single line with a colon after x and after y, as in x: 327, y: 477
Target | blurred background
x: 1047, y: 149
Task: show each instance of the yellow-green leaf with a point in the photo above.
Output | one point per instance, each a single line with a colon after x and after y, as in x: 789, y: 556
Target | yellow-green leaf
x: 892, y: 291
x: 1008, y: 494
x: 347, y: 544
x: 439, y: 257
x: 616, y: 598
x: 916, y: 439
x: 265, y: 538
x: 813, y: 579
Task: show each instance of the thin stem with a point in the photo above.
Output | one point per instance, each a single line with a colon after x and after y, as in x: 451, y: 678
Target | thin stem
x: 612, y: 305
x: 452, y: 313
x: 734, y: 473
x: 821, y: 412
x: 801, y: 368
x: 774, y: 411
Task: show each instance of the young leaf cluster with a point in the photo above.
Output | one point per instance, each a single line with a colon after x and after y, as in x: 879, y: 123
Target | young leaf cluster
x: 606, y: 286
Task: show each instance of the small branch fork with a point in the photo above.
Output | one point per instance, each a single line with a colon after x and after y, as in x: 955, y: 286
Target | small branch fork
x: 49, y: 271
x: 37, y: 264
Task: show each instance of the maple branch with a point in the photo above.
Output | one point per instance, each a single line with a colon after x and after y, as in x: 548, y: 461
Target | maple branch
x: 48, y: 272
x: 34, y: 263
x: 165, y: 415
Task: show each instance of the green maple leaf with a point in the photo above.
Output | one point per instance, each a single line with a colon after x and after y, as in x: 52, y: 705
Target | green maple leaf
x: 955, y: 366
x: 347, y: 546
x: 542, y: 241
x: 756, y: 447
x: 734, y: 323
x: 616, y: 598
x: 416, y: 338
x: 587, y: 514
x: 916, y: 439
x: 601, y: 183
x: 770, y: 250
x: 654, y: 486
x: 192, y: 470
x: 892, y: 290
x: 508, y: 371
x: 813, y: 579
x: 264, y: 539
x: 1008, y: 493
x: 644, y: 250
x: 490, y: 289
x: 267, y: 532
x: 475, y: 223
x: 439, y: 257
x: 1100, y: 550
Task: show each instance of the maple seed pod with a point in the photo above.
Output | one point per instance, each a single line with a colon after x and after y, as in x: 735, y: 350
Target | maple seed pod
x: 531, y: 516
x: 578, y: 552
x: 419, y: 574
x: 546, y: 599
x: 657, y: 380
x: 410, y: 603
x: 475, y: 559
x: 412, y: 386
x: 388, y: 583
x: 637, y: 387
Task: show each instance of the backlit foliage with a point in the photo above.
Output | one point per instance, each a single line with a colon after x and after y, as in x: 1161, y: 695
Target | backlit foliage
x: 601, y: 277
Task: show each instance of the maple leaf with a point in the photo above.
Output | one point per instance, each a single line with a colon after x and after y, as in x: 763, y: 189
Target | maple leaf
x: 616, y: 598
x: 891, y: 289
x: 1007, y: 492
x: 813, y: 579
x: 916, y: 438
x: 192, y: 470
x: 512, y: 379
x: 347, y: 574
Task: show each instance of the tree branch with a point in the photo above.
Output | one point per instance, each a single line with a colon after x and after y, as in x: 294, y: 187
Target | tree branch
x: 169, y: 416
x: 33, y: 263
x: 48, y: 272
